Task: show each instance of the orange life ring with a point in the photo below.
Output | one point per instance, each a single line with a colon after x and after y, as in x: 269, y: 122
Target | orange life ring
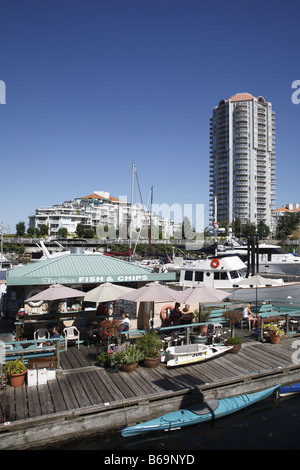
x: 162, y: 312
x: 215, y: 263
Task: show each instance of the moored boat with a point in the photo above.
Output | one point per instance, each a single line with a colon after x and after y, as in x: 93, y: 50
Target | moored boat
x: 191, y: 353
x: 289, y: 390
x: 199, y: 413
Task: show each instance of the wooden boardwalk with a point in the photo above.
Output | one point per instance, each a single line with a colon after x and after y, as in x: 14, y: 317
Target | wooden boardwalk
x: 85, y: 398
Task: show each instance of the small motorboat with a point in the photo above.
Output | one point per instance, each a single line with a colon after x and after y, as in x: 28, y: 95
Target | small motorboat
x: 191, y: 353
x: 289, y: 390
x: 199, y: 413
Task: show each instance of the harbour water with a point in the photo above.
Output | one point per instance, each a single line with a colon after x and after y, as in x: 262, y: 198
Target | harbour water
x: 273, y: 424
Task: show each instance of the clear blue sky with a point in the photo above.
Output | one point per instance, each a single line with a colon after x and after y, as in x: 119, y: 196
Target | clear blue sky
x: 95, y: 85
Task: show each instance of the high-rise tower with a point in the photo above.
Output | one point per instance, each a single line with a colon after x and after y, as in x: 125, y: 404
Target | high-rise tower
x: 242, y: 159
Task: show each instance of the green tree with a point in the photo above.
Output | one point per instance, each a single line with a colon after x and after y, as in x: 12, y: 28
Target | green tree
x: 20, y: 229
x: 80, y: 230
x: 287, y: 224
x: 44, y: 230
x: 263, y: 230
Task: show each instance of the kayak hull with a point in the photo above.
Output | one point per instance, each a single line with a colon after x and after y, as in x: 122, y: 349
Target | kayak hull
x: 200, y: 413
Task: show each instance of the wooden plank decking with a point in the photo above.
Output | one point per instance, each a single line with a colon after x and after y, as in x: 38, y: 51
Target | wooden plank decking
x: 85, y: 398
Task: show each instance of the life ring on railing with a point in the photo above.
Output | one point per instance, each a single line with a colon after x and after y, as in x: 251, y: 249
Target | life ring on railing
x: 215, y: 263
x: 163, y: 316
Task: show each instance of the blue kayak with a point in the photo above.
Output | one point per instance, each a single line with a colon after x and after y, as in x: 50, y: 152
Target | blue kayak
x: 199, y: 413
x: 289, y: 389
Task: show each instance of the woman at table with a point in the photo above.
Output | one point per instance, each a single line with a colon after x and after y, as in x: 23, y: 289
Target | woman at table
x: 187, y: 315
x: 248, y: 315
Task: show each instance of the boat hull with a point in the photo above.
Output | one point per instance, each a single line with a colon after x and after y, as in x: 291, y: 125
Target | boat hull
x: 192, y: 353
x: 206, y: 411
x: 288, y: 292
x: 289, y: 390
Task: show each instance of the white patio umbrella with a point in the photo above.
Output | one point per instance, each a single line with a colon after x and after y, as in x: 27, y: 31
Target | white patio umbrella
x: 152, y: 292
x: 201, y: 294
x: 258, y: 281
x: 56, y: 292
x: 106, y: 292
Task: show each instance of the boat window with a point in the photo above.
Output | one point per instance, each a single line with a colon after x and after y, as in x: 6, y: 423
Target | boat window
x: 220, y: 275
x: 234, y: 274
x: 199, y: 276
x: 188, y: 276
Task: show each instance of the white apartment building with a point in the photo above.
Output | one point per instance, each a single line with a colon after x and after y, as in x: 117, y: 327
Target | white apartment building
x: 242, y: 160
x: 99, y: 210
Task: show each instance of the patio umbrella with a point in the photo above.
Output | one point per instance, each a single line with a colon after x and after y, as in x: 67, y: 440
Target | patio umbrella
x: 259, y: 281
x: 106, y: 292
x: 152, y: 292
x: 56, y: 292
x: 202, y: 295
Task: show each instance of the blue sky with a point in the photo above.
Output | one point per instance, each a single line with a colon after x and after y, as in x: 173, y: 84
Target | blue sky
x: 95, y: 85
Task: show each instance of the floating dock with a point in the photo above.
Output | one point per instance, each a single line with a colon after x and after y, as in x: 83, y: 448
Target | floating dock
x: 85, y: 399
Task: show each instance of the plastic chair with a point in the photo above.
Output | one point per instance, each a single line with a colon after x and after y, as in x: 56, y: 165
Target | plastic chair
x: 71, y: 334
x: 41, y: 333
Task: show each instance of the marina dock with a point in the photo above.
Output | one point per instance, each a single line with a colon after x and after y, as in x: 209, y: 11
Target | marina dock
x: 85, y: 399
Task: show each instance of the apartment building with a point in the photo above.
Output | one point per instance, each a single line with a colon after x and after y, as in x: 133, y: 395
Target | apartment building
x: 99, y: 210
x: 242, y: 160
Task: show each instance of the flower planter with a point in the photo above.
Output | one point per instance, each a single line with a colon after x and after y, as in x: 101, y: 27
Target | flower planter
x: 275, y: 339
x: 235, y: 349
x: 129, y: 367
x: 203, y: 329
x: 152, y: 362
x: 17, y: 380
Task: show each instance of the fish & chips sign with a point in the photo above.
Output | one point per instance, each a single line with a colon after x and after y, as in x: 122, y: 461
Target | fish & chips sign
x: 98, y: 279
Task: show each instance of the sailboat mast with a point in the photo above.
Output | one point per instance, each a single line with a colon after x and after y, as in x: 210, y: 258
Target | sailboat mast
x: 130, y: 229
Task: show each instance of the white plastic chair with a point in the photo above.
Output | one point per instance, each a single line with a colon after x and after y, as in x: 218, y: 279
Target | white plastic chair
x: 71, y: 334
x: 41, y: 333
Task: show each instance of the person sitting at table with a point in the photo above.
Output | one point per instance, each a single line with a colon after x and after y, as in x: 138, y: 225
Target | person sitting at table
x: 175, y: 315
x: 125, y: 322
x: 187, y: 315
x: 55, y: 334
x: 248, y: 315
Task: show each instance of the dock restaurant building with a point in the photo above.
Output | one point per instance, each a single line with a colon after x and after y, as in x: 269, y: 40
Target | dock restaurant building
x: 81, y: 271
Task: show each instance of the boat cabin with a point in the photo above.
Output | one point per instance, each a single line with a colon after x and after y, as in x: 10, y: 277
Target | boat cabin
x: 213, y: 272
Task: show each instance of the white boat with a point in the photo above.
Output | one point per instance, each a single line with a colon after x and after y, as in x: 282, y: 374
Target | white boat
x: 272, y: 259
x: 228, y: 272
x: 192, y: 353
x: 150, y: 264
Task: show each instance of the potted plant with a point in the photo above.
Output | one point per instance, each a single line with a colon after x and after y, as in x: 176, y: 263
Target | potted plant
x: 204, y: 317
x: 109, y: 331
x: 129, y: 357
x: 150, y: 345
x: 108, y: 360
x: 232, y: 317
x: 235, y: 342
x: 275, y: 332
x: 16, y: 371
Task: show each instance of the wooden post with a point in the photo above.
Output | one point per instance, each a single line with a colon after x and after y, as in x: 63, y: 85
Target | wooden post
x: 287, y: 323
x: 57, y: 348
x: 261, y: 333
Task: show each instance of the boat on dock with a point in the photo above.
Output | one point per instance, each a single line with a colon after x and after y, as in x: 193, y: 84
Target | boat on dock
x: 199, y: 413
x: 192, y: 353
